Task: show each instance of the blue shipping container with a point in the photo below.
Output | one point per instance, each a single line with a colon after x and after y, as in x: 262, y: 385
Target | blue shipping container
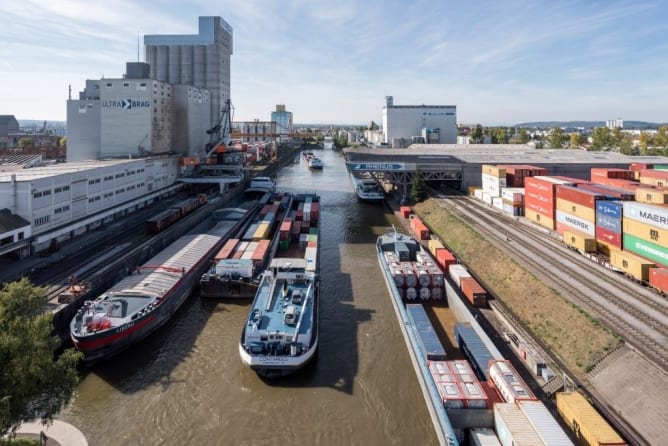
x: 473, y: 349
x: 610, y: 208
x: 432, y: 349
x: 609, y: 223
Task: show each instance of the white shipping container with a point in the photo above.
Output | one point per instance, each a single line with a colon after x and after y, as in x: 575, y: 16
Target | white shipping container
x: 458, y: 271
x: 487, y: 198
x: 544, y: 424
x: 647, y: 213
x: 482, y: 436
x: 535, y: 360
x: 497, y: 202
x: 509, y: 383
x: 478, y: 194
x: 514, y: 194
x: 311, y: 257
x: 493, y: 184
x: 512, y: 426
x: 515, y: 211
x: 234, y: 267
x: 577, y: 223
x: 250, y: 249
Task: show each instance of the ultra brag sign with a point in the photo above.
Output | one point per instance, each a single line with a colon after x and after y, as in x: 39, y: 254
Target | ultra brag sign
x: 127, y: 104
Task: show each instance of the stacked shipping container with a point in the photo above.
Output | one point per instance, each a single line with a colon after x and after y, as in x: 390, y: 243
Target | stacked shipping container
x: 540, y: 198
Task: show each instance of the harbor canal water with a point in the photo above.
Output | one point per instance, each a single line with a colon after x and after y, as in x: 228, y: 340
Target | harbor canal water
x: 185, y: 384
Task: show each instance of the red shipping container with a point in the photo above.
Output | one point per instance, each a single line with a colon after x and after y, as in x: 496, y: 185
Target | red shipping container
x: 261, y: 250
x: 421, y: 231
x: 607, y: 172
x: 609, y: 237
x: 473, y: 291
x: 493, y: 395
x: 640, y: 166
x: 618, y: 183
x: 546, y: 209
x: 405, y: 211
x: 651, y: 173
x: 286, y: 225
x: 227, y: 249
x: 444, y: 258
x: 609, y: 191
x: 579, y: 195
x: 658, y: 278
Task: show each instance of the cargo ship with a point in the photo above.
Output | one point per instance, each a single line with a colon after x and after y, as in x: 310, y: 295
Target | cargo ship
x: 367, y: 189
x: 236, y: 269
x: 280, y: 335
x: 146, y: 298
x: 312, y: 160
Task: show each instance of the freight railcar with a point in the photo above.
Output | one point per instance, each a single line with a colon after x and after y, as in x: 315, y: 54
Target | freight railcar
x: 174, y: 213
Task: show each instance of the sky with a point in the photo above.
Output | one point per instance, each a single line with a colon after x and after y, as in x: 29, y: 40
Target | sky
x: 335, y: 61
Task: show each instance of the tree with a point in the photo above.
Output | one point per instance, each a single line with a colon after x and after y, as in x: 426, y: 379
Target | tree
x: 476, y: 134
x: 418, y: 189
x: 661, y: 138
x: 556, y: 138
x: 575, y: 140
x: 644, y: 142
x: 501, y: 135
x: 601, y: 139
x: 523, y: 136
x: 32, y: 384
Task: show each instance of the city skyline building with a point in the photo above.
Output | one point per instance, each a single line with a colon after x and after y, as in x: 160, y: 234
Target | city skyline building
x: 283, y: 120
x: 407, y: 124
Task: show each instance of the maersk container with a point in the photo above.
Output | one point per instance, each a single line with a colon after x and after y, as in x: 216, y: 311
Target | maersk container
x: 647, y: 213
x: 644, y: 231
x: 430, y: 345
x: 586, y: 423
x: 473, y: 349
x: 575, y: 222
x: 579, y: 210
x: 655, y: 252
x: 547, y: 428
x: 483, y: 436
x: 630, y: 263
x: 513, y: 427
x: 610, y: 208
x: 458, y: 271
x: 509, y: 383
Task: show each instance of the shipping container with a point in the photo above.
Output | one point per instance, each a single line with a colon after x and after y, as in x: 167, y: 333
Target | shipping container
x: 609, y: 223
x: 640, y: 166
x: 473, y: 348
x: 513, y: 195
x: 579, y: 195
x: 647, y: 232
x: 227, y: 249
x: 545, y: 425
x: 654, y: 252
x: 574, y: 222
x: 434, y: 245
x: 647, y: 213
x: 608, y: 172
x: 483, y: 436
x: 430, y: 346
x: 513, y: 428
x: 580, y: 211
x: 517, y: 173
x: 457, y: 271
x: 445, y: 258
x: 609, y: 238
x: 493, y: 396
x: 260, y: 251
x: 462, y: 369
x: 539, y: 218
x: 630, y: 263
x: 654, y: 177
x: 473, y: 291
x: 440, y: 368
x: 651, y: 195
x: 586, y: 423
x: 534, y: 360
x: 658, y: 278
x: 474, y: 396
x: 488, y: 169
x: 579, y: 241
x: 610, y: 208
x: 450, y: 393
x: 508, y: 382
x: 405, y: 211
x: 492, y: 185
x: 610, y: 192
x: 629, y: 185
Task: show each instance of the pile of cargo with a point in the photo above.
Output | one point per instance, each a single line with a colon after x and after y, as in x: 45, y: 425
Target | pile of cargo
x: 419, y: 279
x: 419, y: 228
x: 457, y: 385
x: 241, y: 258
x: 302, y: 225
x: 444, y: 258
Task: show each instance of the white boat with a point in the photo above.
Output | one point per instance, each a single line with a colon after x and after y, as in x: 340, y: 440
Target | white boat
x: 369, y: 190
x: 312, y: 160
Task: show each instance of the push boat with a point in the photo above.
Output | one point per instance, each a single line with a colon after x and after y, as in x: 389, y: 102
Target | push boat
x: 237, y: 267
x: 146, y: 298
x: 397, y: 251
x: 369, y: 190
x: 280, y: 335
x: 312, y: 160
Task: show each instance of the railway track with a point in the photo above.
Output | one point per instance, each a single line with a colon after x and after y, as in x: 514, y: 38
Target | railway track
x: 639, y: 319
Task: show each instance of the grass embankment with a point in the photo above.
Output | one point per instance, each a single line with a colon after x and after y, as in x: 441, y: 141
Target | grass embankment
x: 574, y: 336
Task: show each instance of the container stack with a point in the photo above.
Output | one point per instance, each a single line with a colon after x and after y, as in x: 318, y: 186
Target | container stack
x: 457, y: 385
x: 493, y: 179
x: 646, y: 231
x: 512, y: 201
x: 539, y: 198
x: 517, y: 173
x: 576, y: 210
x: 654, y: 177
x: 284, y: 237
x: 608, y: 226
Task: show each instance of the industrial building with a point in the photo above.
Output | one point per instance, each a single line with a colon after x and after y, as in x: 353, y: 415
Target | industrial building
x: 404, y: 125
x: 200, y: 60
x: 8, y: 125
x: 283, y: 120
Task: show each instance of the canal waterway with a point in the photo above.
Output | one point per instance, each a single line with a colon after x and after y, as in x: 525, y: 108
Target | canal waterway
x: 185, y: 384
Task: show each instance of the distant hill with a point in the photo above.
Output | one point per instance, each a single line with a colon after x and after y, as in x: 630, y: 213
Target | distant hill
x: 639, y: 125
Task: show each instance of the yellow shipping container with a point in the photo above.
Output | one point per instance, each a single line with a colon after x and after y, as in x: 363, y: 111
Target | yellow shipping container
x: 535, y: 217
x: 433, y: 245
x: 261, y: 232
x: 650, y: 233
x: 582, y: 242
x: 583, y: 212
x: 657, y: 182
x: 651, y: 196
x: 494, y: 171
x: 587, y: 424
x: 603, y: 248
x: 631, y: 264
